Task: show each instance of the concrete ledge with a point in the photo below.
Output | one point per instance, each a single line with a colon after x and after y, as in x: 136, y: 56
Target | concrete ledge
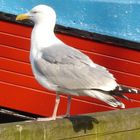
x: 111, y: 125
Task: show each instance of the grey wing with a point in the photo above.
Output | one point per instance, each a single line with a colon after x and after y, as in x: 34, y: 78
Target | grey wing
x: 61, y: 53
x: 70, y: 69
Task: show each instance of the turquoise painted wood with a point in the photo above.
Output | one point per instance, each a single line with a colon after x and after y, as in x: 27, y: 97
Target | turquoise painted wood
x: 119, y: 18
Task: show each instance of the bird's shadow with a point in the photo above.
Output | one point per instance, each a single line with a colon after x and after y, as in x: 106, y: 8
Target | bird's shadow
x: 83, y: 123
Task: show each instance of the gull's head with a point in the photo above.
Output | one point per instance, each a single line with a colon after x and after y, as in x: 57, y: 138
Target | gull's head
x: 39, y: 14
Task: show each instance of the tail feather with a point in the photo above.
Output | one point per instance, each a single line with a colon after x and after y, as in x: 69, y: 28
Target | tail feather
x: 109, y: 96
x: 103, y: 96
x: 125, y: 89
x: 121, y: 90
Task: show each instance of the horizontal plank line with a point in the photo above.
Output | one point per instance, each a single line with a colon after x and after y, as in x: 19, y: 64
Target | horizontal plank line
x: 13, y: 35
x: 28, y: 88
x: 50, y: 93
x: 129, y: 74
x: 75, y: 47
x: 17, y: 72
x: 15, y: 60
x: 92, y: 36
x: 28, y: 72
x: 12, y: 28
x: 21, y: 75
x: 108, y: 69
x: 15, y: 48
x: 116, y: 58
x: 97, y: 56
x: 43, y: 89
x: 13, y: 72
x: 84, y: 51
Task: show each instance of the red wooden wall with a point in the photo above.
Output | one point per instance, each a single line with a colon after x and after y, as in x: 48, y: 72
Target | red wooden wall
x: 19, y: 90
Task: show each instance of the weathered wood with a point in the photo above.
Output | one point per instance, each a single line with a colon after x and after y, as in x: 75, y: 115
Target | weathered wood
x: 116, y: 125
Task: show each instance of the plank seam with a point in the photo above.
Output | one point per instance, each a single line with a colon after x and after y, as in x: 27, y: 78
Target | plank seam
x: 116, y: 58
x: 11, y: 47
x: 33, y: 78
x: 13, y: 35
x: 50, y: 93
x: 126, y: 73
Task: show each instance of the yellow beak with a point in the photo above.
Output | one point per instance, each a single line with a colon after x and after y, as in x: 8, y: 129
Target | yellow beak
x: 22, y: 17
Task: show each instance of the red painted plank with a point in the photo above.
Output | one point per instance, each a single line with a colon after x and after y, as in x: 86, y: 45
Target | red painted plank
x: 115, y: 63
x: 102, y: 48
x: 20, y: 79
x: 30, y: 82
x: 88, y: 45
x: 16, y: 87
x: 25, y: 99
x: 107, y: 61
x: 15, y: 29
x: 126, y: 79
x: 24, y: 68
x: 42, y: 103
x: 14, y: 41
x: 14, y: 53
x: 15, y: 66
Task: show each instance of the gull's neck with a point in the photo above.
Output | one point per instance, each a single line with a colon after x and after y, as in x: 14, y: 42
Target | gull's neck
x: 43, y: 35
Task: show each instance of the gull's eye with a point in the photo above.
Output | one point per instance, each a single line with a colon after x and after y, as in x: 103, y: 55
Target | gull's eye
x: 34, y: 12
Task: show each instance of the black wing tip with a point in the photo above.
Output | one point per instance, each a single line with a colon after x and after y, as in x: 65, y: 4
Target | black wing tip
x: 125, y: 89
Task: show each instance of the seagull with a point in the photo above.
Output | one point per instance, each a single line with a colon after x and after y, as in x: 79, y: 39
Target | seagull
x: 64, y: 69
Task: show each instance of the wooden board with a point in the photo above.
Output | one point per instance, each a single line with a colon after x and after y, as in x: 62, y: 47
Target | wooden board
x: 116, y: 125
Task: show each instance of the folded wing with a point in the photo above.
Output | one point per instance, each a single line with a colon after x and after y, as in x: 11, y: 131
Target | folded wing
x: 68, y: 68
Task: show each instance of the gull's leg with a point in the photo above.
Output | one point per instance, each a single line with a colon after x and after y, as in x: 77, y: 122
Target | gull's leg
x: 68, y: 109
x: 68, y: 106
x: 57, y: 101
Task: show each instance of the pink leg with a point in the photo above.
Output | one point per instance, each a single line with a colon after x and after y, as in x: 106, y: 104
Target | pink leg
x: 57, y: 101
